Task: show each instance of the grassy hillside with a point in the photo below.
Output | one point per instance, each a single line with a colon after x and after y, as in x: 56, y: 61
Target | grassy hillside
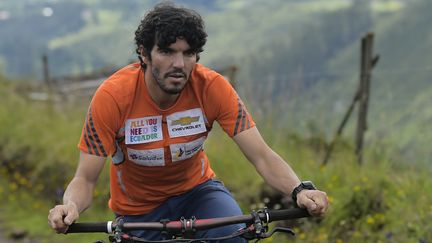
x: 400, y: 87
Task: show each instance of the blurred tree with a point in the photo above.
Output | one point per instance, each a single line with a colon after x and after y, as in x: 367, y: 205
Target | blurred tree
x: 25, y: 34
x: 300, y: 58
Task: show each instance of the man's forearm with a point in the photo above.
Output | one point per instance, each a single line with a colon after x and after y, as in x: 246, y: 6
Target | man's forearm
x: 80, y: 193
x: 274, y: 170
x: 277, y: 173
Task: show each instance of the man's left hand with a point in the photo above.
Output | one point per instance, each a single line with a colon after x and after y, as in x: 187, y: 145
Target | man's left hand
x: 315, y: 201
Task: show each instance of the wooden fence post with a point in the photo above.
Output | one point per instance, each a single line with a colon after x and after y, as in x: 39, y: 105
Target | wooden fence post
x: 361, y: 96
x: 46, y: 75
x: 366, y: 66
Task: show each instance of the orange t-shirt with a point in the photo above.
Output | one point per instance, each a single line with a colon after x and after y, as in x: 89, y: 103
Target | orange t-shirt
x: 155, y: 153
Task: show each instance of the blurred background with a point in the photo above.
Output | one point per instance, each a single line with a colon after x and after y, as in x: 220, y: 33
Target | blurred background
x: 297, y: 66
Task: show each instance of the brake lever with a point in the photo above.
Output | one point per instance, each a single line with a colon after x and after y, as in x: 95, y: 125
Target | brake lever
x: 278, y: 229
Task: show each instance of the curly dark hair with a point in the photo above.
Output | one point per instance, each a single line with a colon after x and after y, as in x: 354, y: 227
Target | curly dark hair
x: 167, y: 22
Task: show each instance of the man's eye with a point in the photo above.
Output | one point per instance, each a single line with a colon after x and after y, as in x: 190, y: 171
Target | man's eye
x: 164, y: 51
x: 190, y: 53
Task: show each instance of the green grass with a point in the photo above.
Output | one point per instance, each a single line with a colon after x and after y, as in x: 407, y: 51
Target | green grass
x: 24, y: 211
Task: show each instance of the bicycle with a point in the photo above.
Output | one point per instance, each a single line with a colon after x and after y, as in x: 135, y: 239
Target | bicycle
x: 256, y: 227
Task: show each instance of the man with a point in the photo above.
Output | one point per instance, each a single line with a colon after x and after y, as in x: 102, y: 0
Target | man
x: 152, y: 119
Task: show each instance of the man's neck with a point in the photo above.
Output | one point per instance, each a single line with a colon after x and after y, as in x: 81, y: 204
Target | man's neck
x: 162, y: 99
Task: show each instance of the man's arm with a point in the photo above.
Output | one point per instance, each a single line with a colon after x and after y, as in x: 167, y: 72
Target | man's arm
x: 276, y: 172
x: 79, y: 193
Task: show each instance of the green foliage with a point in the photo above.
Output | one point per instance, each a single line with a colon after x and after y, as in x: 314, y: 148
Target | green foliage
x: 25, y: 138
x: 38, y: 143
x: 26, y: 211
x: 38, y: 157
x: 370, y: 203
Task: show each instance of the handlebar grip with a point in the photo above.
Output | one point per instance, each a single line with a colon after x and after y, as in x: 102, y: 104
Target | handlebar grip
x: 104, y: 227
x: 293, y: 213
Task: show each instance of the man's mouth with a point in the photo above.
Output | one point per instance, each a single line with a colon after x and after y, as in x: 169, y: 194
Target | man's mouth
x: 176, y: 75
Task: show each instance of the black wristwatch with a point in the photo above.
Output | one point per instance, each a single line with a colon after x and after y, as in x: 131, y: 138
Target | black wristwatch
x: 304, y: 185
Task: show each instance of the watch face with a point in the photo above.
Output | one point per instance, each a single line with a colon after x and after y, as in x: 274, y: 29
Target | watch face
x: 308, y: 185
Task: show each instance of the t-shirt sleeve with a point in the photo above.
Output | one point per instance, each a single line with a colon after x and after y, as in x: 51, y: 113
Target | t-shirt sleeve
x: 100, y: 126
x: 229, y: 110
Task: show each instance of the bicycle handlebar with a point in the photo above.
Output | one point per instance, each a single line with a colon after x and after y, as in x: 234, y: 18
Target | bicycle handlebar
x: 188, y: 224
x: 91, y: 227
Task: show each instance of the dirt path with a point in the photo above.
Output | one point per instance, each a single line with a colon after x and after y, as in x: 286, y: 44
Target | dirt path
x: 21, y: 237
x: 4, y: 239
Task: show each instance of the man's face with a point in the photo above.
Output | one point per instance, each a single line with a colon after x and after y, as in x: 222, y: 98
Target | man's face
x: 171, y: 67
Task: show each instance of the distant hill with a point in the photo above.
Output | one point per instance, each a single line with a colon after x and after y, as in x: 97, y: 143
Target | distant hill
x: 401, y: 91
x: 77, y: 35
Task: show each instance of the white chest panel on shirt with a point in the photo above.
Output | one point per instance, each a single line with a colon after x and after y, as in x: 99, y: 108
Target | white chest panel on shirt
x: 186, y: 123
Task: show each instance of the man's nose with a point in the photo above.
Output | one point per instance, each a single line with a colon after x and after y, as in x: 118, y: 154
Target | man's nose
x: 178, y: 60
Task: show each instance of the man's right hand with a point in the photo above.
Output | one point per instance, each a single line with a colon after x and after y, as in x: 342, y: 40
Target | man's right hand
x: 61, y: 216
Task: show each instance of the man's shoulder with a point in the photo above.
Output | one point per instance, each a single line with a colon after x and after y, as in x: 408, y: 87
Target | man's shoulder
x: 128, y: 73
x: 204, y: 76
x: 123, y: 80
x: 204, y: 73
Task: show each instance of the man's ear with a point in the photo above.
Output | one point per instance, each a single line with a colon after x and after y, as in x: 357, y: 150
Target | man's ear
x: 144, y: 56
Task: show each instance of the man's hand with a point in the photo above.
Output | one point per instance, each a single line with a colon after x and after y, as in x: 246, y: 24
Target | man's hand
x: 61, y: 216
x: 314, y: 201
x: 78, y: 194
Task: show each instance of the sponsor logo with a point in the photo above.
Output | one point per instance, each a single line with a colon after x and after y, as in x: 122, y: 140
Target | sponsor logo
x: 149, y: 157
x: 185, y: 120
x: 177, y: 129
x: 186, y: 123
x: 184, y: 151
x: 143, y: 130
x: 179, y: 153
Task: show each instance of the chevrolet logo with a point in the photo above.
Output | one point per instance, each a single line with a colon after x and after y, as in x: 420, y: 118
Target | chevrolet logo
x: 185, y: 120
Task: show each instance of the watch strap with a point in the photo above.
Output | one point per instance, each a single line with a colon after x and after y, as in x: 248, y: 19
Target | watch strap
x: 304, y: 185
